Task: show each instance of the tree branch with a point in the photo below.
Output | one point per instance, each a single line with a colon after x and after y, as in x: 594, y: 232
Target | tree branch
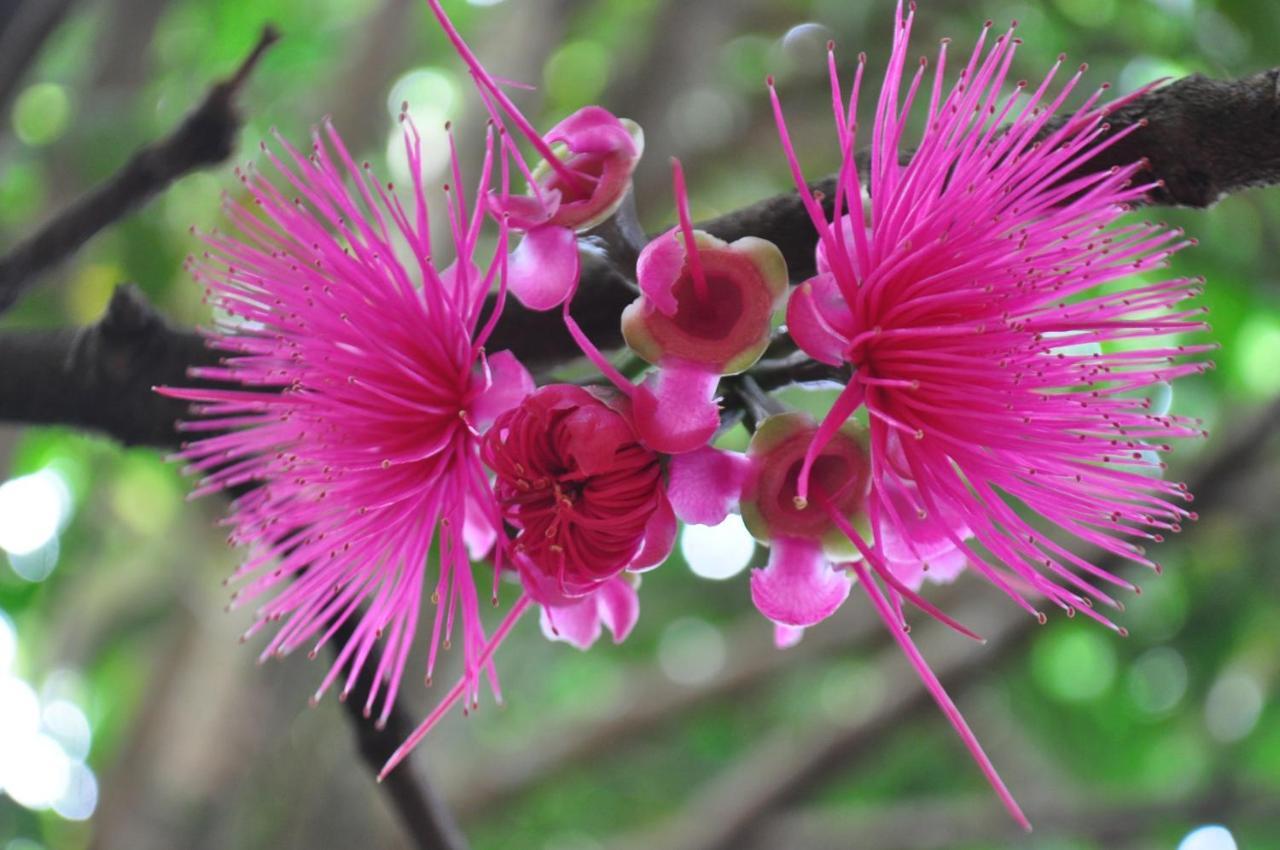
x: 422, y: 811
x: 1204, y: 138
x: 100, y: 377
x: 206, y: 137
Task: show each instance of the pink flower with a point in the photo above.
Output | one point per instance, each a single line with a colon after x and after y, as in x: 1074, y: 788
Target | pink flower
x: 965, y: 294
x: 588, y: 504
x: 572, y: 188
x: 613, y: 605
x: 363, y: 387
x: 705, y: 310
x: 806, y: 578
x: 587, y: 498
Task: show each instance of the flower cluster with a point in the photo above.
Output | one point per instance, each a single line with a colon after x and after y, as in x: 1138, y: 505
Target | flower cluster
x: 1001, y: 331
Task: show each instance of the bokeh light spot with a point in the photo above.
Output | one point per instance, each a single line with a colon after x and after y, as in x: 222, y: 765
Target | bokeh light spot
x: 1233, y: 706
x: 67, y: 724
x: 145, y: 495
x: 577, y: 72
x: 691, y: 651
x: 433, y: 97
x: 8, y: 644
x: 1209, y: 838
x: 718, y: 551
x: 35, y: 771
x: 79, y: 798
x: 41, y: 113
x: 1158, y: 680
x: 33, y: 508
x: 1074, y: 664
x: 1257, y: 353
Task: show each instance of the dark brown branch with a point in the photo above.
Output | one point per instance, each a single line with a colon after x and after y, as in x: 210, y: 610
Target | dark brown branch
x: 100, y: 377
x: 1204, y: 138
x: 421, y: 810
x: 205, y: 137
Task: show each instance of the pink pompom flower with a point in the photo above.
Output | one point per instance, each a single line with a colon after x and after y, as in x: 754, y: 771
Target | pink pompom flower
x: 964, y: 293
x: 977, y: 291
x: 360, y: 388
x: 705, y: 310
x: 582, y: 176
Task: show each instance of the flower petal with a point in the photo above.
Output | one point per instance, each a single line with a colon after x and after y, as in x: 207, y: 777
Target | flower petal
x: 509, y: 383
x: 846, y: 225
x: 910, y: 541
x: 544, y: 267
x: 942, y: 568
x: 593, y: 129
x: 785, y: 637
x: 659, y: 537
x: 799, y: 586
x: 576, y: 623
x: 525, y: 212
x: 658, y: 268
x: 478, y: 533
x: 808, y: 311
x: 706, y: 484
x: 676, y: 412
x: 618, y: 606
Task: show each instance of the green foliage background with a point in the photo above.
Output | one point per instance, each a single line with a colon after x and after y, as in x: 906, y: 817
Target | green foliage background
x: 194, y: 746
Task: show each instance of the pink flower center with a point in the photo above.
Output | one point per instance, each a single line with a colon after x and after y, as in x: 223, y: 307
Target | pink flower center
x: 718, y: 327
x: 577, y: 526
x: 711, y: 318
x: 839, y: 475
x: 600, y: 177
x: 588, y: 168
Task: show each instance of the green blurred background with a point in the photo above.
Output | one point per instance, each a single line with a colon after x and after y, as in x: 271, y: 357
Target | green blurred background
x: 155, y: 727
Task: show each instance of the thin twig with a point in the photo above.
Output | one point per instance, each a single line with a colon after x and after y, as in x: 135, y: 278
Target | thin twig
x: 206, y: 137
x: 421, y: 810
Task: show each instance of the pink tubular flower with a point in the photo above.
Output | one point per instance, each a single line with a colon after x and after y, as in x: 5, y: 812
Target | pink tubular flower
x: 590, y: 509
x: 997, y: 370
x: 363, y: 387
x: 705, y: 310
x: 583, y: 175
